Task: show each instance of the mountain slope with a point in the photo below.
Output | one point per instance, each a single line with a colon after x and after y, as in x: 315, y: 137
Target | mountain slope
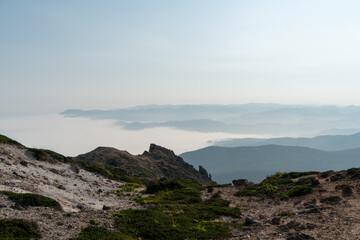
x: 256, y: 162
x: 326, y: 142
x: 158, y: 162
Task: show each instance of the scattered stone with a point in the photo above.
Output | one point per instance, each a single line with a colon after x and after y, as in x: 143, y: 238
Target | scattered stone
x: 61, y: 187
x: 106, y: 207
x: 250, y: 221
x: 24, y: 163
x: 54, y: 171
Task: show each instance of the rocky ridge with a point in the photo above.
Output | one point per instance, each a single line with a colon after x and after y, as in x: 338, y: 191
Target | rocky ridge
x: 158, y: 162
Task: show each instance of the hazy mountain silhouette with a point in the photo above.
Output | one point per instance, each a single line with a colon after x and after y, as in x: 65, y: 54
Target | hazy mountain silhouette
x: 272, y: 119
x: 326, y: 143
x: 256, y: 162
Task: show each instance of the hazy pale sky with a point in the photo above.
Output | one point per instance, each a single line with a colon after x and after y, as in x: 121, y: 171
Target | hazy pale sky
x: 56, y: 55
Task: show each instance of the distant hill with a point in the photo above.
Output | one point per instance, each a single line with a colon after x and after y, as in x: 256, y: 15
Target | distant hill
x: 326, y: 142
x: 158, y: 162
x: 256, y: 162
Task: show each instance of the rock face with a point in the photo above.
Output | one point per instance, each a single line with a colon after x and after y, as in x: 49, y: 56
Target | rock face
x: 158, y: 162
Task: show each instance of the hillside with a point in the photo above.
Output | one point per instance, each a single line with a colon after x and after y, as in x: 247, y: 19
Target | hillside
x: 255, y: 163
x: 158, y: 162
x: 44, y: 195
x: 326, y: 142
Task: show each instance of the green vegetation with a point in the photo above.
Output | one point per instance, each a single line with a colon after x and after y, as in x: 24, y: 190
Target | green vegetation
x: 296, y: 191
x: 93, y: 221
x: 110, y: 173
x: 18, y: 229
x: 6, y: 140
x: 101, y: 233
x: 281, y: 185
x: 49, y: 156
x: 68, y: 214
x: 356, y: 174
x: 178, y: 213
x: 32, y: 200
x: 128, y: 187
x: 285, y: 214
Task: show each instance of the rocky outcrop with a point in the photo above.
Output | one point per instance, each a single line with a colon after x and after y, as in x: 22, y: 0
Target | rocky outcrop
x: 158, y: 162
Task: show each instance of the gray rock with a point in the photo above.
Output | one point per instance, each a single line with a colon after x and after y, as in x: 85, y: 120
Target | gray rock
x: 250, y: 221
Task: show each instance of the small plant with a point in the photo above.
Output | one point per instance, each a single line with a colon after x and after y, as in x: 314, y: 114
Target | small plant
x: 93, y: 221
x: 68, y: 214
x: 285, y: 214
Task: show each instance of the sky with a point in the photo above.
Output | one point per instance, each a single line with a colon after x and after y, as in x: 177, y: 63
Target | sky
x: 56, y: 55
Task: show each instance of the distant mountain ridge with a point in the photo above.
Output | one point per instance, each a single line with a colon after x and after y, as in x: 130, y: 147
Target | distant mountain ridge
x: 325, y: 142
x: 257, y: 162
x: 254, y: 118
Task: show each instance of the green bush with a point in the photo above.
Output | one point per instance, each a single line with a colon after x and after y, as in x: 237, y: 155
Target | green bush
x: 18, y: 229
x: 32, y: 200
x: 296, y: 191
x: 101, y: 233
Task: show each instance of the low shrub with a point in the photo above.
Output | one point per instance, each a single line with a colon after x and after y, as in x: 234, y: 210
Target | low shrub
x: 32, y: 200
x: 296, y: 191
x: 18, y: 229
x: 101, y: 233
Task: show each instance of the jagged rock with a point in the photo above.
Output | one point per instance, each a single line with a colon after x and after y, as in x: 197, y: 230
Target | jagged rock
x: 250, y: 221
x: 298, y: 236
x: 240, y: 182
x: 24, y: 163
x: 105, y: 207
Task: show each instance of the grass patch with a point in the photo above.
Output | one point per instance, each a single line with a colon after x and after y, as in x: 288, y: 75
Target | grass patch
x: 178, y: 214
x: 101, y: 233
x: 32, y: 200
x: 18, y: 229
